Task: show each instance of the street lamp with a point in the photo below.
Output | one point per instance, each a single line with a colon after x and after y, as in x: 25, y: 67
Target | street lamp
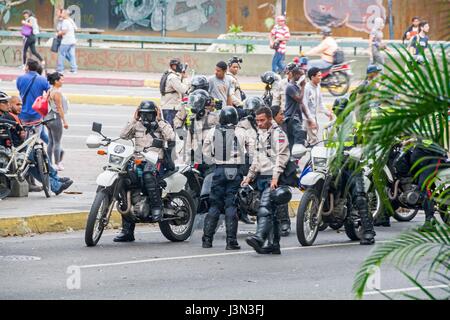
x: 163, y: 4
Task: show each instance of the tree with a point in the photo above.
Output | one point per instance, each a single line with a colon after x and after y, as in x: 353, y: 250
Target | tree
x: 6, y: 6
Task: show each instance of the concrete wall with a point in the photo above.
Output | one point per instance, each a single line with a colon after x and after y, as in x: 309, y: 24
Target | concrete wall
x: 138, y: 60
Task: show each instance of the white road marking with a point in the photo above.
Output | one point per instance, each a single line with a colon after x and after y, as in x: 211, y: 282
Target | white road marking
x: 96, y: 115
x: 122, y: 263
x: 371, y: 293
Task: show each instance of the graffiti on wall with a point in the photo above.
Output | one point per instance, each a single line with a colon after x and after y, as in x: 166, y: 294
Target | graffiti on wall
x: 358, y: 15
x: 189, y: 15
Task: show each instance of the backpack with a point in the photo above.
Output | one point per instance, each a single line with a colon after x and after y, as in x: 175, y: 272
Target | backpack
x: 338, y: 57
x: 40, y: 105
x: 163, y: 82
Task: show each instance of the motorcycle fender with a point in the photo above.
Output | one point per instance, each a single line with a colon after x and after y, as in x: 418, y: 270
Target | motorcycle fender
x: 367, y: 184
x: 175, y: 183
x: 311, y: 179
x: 107, y: 178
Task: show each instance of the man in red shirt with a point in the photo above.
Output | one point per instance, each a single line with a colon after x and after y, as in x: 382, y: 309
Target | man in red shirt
x: 279, y: 36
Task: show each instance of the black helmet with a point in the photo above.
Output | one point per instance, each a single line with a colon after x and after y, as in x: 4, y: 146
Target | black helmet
x: 176, y: 62
x: 148, y: 112
x: 199, y: 82
x: 228, y: 116
x: 268, y: 77
x: 199, y: 100
x: 281, y: 195
x: 4, y: 97
x: 290, y: 66
x: 248, y: 199
x: 251, y: 104
x: 339, y: 105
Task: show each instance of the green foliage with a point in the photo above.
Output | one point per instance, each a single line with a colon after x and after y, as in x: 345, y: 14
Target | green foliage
x: 408, y: 101
x: 235, y: 30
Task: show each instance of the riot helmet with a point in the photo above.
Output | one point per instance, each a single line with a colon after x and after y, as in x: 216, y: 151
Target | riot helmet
x: 199, y: 82
x: 148, y: 112
x: 199, y: 100
x: 251, y: 104
x: 281, y: 195
x: 268, y: 77
x: 228, y: 116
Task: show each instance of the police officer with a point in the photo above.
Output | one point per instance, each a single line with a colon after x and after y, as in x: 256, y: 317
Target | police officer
x: 150, y: 133
x: 272, y: 156
x: 224, y: 146
x: 173, y: 88
x: 355, y: 178
x: 238, y: 96
x: 197, y: 121
x: 247, y: 126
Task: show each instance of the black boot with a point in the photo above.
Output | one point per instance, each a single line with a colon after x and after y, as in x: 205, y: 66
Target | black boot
x: 209, y: 229
x: 231, y: 224
x: 368, y: 237
x: 243, y: 216
x: 285, y: 220
x: 157, y: 214
x: 127, y: 233
x: 263, y: 229
x: 276, y: 237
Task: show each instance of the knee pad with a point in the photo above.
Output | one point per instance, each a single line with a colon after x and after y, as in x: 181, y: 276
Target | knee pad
x: 264, y: 212
x: 265, y: 200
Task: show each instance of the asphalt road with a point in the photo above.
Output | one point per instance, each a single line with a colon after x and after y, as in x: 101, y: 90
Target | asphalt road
x: 46, y: 266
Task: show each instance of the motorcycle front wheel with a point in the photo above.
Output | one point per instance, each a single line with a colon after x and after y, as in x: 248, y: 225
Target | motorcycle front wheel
x: 97, y: 218
x: 179, y: 229
x: 307, y: 221
x: 339, y: 83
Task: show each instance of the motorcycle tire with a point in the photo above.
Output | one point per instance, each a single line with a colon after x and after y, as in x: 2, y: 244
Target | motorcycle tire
x: 5, y: 186
x: 405, y: 217
x: 94, y: 225
x: 353, y: 232
x: 167, y: 227
x: 310, y: 198
x: 344, y: 84
x: 43, y: 172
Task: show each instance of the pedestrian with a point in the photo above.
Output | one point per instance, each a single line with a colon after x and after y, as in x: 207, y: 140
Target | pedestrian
x: 173, y: 89
x: 420, y: 40
x: 57, y: 184
x: 295, y: 110
x: 221, y: 85
x: 313, y: 101
x: 279, y: 95
x: 279, y: 36
x: 238, y: 96
x: 376, y: 45
x: 412, y: 30
x: 57, y: 108
x: 326, y: 49
x: 268, y: 165
x: 225, y: 147
x: 68, y: 42
x: 31, y: 85
x: 30, y: 29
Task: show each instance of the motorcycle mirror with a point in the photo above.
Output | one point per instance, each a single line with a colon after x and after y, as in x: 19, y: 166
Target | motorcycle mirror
x: 97, y: 127
x: 298, y: 151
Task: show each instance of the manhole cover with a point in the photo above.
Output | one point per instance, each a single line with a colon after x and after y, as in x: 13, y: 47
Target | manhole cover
x: 19, y: 258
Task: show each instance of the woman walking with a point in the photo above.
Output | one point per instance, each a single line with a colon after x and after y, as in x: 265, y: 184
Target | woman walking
x: 376, y: 45
x: 30, y: 29
x: 57, y: 107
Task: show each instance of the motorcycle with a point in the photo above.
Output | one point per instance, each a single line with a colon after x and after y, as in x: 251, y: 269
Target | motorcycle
x: 404, y: 192
x: 323, y: 202
x: 121, y: 185
x: 335, y: 78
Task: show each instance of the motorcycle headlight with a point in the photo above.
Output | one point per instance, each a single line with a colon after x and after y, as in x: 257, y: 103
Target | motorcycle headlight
x: 115, y: 160
x: 320, y: 163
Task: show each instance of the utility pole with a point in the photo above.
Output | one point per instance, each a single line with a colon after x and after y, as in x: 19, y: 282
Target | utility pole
x: 283, y: 7
x: 57, y: 4
x: 163, y: 17
x: 391, y: 20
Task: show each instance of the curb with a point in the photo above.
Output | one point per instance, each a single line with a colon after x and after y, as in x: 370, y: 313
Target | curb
x: 64, y: 222
x: 102, y: 99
